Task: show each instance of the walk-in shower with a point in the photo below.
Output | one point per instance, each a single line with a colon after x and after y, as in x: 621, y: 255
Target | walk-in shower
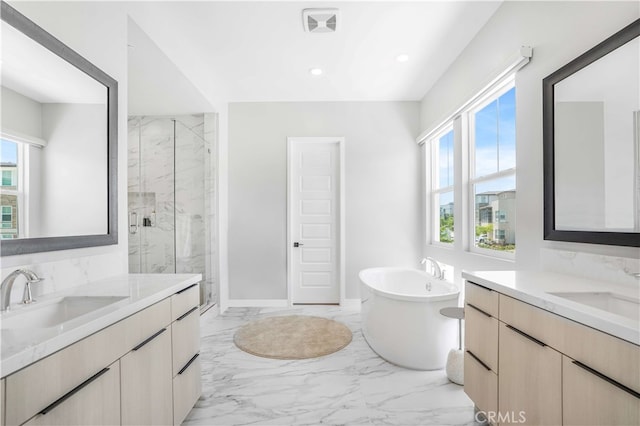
x: 172, y: 197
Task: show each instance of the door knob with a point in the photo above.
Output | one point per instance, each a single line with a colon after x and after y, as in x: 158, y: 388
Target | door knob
x: 297, y: 244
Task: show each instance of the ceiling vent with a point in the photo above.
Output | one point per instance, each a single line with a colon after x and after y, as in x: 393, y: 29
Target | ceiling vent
x: 320, y: 20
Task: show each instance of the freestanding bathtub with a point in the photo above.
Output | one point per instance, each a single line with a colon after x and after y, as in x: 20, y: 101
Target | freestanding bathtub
x: 401, y: 318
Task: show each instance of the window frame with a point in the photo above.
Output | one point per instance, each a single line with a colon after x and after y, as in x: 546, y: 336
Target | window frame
x: 504, y: 86
x: 21, y: 189
x: 433, y: 207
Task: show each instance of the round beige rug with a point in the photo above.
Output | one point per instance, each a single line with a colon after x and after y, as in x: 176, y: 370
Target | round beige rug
x: 292, y: 337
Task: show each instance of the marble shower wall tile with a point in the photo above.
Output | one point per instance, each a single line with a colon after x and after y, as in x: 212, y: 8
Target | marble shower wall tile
x: 157, y: 246
x: 190, y: 194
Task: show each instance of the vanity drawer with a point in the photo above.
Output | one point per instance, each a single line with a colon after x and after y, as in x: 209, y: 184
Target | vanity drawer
x: 537, y: 323
x: 482, y: 298
x: 184, y: 300
x: 185, y: 332
x: 146, y: 323
x: 481, y: 336
x: 2, y: 423
x: 480, y: 384
x: 186, y: 389
x: 588, y: 399
x: 609, y: 355
x: 95, y: 403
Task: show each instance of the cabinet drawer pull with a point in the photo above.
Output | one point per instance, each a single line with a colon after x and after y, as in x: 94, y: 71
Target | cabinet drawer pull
x: 479, y: 310
x: 481, y: 286
x: 183, y: 369
x: 523, y: 334
x: 183, y: 316
x: 73, y: 391
x: 187, y: 288
x: 607, y: 379
x: 149, y: 339
x: 478, y: 359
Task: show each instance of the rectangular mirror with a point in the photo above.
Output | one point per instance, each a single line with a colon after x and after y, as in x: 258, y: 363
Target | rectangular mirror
x: 591, y: 119
x: 58, y: 144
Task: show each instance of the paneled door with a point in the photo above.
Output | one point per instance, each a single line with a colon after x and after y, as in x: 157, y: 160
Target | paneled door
x: 314, y: 220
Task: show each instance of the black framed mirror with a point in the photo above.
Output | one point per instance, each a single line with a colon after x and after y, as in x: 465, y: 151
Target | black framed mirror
x: 591, y: 140
x: 59, y: 144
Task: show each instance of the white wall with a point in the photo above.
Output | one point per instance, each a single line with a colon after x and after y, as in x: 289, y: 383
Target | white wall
x: 156, y: 85
x: 558, y: 32
x: 74, y: 170
x: 383, y: 186
x: 21, y: 114
x: 97, y: 31
x: 580, y: 185
x: 612, y: 82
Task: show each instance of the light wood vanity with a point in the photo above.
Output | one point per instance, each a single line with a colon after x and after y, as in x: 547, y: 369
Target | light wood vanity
x: 142, y: 369
x: 526, y: 365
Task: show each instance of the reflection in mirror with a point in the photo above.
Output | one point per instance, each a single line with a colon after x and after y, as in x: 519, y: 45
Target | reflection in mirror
x: 54, y: 139
x: 59, y: 148
x: 591, y: 132
x: 595, y: 144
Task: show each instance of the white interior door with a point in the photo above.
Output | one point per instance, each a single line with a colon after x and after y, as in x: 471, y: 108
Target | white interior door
x: 314, y: 220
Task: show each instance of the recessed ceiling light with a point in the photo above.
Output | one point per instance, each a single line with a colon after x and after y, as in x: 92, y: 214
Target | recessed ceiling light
x: 315, y: 71
x: 402, y: 58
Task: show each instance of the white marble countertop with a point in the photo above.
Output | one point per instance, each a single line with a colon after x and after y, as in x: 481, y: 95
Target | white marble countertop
x: 533, y: 287
x: 25, y: 345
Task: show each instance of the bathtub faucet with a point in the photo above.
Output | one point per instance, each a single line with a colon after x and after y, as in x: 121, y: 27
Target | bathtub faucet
x: 436, y: 271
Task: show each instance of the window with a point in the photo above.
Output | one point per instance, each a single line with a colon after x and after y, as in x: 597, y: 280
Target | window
x: 7, y: 217
x: 492, y: 177
x: 12, y: 160
x: 442, y: 187
x: 8, y: 178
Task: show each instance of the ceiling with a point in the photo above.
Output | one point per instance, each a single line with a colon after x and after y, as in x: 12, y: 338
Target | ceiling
x: 258, y: 51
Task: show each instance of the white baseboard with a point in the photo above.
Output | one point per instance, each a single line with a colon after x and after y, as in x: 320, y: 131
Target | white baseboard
x: 351, y: 304
x: 257, y: 303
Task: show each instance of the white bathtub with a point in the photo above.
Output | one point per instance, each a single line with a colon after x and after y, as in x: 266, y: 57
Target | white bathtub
x: 401, y: 318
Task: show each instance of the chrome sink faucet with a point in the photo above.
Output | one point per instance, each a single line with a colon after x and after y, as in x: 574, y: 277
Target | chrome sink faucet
x: 7, y: 284
x: 436, y: 271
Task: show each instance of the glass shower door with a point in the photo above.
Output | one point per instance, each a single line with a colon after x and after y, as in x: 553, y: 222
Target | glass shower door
x: 152, y: 195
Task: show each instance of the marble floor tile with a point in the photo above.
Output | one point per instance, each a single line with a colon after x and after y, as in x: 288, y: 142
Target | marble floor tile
x: 353, y: 386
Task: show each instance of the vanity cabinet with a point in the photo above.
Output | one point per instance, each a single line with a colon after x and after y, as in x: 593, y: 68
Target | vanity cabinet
x: 550, y: 370
x: 481, y: 347
x: 146, y: 388
x: 122, y: 374
x: 591, y: 399
x: 2, y: 423
x: 94, y: 402
x: 185, y: 331
x: 529, y: 380
x: 37, y: 386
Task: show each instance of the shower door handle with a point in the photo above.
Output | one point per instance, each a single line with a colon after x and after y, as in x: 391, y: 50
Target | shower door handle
x: 133, y: 222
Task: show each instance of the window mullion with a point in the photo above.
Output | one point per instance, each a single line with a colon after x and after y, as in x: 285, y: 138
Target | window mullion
x: 493, y: 176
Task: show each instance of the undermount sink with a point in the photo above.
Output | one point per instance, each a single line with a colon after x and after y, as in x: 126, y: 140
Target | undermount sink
x: 607, y: 301
x: 56, y: 312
